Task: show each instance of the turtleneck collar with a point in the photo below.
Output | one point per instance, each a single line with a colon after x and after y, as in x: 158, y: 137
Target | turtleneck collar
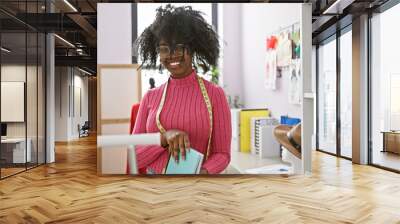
x: 187, y: 80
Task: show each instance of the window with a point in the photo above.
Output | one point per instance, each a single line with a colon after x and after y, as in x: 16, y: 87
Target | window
x: 335, y: 94
x: 346, y: 94
x: 385, y: 89
x: 327, y: 97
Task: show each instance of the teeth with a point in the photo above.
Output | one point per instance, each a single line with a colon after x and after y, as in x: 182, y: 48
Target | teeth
x: 174, y: 63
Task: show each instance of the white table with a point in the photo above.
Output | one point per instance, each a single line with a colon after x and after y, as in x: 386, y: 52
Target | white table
x: 18, y: 149
x: 243, y: 161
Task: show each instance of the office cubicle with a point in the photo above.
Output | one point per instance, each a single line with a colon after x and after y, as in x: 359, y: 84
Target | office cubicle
x: 22, y: 78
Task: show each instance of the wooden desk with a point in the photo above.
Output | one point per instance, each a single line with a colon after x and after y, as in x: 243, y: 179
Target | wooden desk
x: 391, y: 141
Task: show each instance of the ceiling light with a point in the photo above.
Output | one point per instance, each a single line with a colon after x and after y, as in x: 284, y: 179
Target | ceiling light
x: 70, y: 5
x: 65, y: 41
x: 338, y: 6
x: 5, y: 50
x: 84, y: 71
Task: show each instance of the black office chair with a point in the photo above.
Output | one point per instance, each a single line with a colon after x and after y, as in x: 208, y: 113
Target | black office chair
x: 84, y: 130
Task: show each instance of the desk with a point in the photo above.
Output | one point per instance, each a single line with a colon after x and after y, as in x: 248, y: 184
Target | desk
x: 13, y: 150
x: 391, y: 141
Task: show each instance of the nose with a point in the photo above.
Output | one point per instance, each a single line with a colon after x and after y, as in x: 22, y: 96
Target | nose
x: 174, y: 56
x: 173, y: 53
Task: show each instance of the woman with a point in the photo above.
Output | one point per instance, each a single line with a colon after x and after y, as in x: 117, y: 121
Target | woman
x: 189, y: 112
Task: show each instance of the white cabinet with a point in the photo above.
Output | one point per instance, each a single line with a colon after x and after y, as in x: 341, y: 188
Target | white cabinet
x: 235, y: 115
x: 19, y: 155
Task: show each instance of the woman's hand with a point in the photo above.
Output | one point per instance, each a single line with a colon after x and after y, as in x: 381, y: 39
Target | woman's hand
x: 203, y: 171
x: 177, y: 142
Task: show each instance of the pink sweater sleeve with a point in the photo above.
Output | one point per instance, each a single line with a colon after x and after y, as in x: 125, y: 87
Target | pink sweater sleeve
x: 145, y: 154
x: 220, y: 150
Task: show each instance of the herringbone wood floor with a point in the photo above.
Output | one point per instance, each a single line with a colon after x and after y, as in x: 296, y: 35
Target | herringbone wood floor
x: 70, y: 192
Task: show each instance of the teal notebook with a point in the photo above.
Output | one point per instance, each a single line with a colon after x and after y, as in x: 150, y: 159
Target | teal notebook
x: 191, y: 165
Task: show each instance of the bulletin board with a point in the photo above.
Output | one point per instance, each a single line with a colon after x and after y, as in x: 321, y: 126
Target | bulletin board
x: 118, y: 88
x: 12, y: 101
x: 283, y: 61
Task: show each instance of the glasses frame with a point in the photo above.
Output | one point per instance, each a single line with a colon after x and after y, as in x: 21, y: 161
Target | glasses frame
x: 172, y: 50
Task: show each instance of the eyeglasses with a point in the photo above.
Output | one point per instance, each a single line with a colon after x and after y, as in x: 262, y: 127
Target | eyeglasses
x: 165, y: 51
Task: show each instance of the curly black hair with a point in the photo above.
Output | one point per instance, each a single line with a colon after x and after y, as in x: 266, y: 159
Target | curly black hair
x: 180, y: 25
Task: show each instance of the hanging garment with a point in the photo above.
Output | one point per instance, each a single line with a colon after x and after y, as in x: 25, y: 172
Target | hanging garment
x: 271, y: 70
x: 295, y: 80
x: 270, y: 63
x: 284, y: 50
x: 272, y: 42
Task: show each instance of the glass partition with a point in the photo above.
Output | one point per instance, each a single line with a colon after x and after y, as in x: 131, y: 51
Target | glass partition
x: 327, y: 97
x: 346, y: 94
x: 41, y: 107
x: 31, y: 100
x: 13, y: 105
x: 385, y: 90
x: 22, y: 88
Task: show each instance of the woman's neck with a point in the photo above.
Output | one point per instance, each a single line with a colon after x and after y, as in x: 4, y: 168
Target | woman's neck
x: 180, y: 76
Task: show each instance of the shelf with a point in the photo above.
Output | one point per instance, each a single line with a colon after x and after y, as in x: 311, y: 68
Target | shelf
x: 309, y: 95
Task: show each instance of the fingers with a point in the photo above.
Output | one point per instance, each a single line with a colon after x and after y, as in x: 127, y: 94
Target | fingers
x: 178, y: 143
x: 176, y: 156
x: 182, y: 149
x: 175, y: 147
x: 187, y: 142
x: 172, y: 150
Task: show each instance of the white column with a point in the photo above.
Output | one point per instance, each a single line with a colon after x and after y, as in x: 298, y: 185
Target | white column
x: 308, y: 96
x: 114, y: 33
x: 360, y: 90
x: 50, y: 99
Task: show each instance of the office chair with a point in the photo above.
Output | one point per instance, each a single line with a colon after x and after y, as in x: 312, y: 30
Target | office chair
x: 84, y: 130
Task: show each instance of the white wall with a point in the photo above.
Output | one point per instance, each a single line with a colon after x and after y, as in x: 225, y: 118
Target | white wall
x: 246, y: 27
x: 62, y: 81
x: 67, y: 121
x: 232, y: 71
x: 80, y: 82
x: 14, y: 72
x: 258, y: 21
x: 114, y: 33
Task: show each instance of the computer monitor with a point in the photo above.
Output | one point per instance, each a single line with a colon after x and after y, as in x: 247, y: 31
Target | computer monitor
x: 3, y: 129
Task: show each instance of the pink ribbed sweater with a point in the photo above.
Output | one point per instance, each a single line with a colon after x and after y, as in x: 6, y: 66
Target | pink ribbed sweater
x: 185, y: 109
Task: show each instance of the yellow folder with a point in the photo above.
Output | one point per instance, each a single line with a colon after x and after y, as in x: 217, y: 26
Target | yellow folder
x: 245, y: 118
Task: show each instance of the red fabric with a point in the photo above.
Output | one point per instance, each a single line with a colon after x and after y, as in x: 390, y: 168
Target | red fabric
x: 271, y: 42
x: 184, y: 109
x: 134, y: 113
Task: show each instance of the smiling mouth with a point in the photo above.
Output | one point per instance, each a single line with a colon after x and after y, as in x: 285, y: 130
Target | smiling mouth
x: 174, y: 64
